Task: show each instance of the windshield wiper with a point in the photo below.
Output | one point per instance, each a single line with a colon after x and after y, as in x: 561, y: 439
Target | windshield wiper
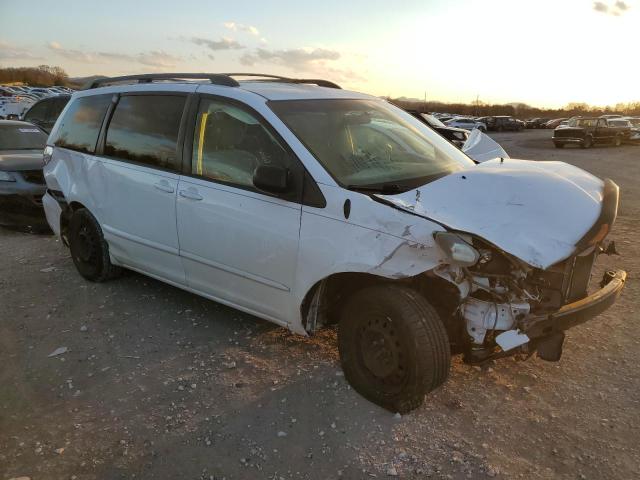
x: 382, y: 188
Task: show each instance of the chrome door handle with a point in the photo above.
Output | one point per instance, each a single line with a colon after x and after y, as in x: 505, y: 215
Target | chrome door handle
x: 191, y: 194
x: 164, y: 186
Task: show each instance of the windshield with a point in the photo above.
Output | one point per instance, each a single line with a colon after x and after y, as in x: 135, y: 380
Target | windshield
x: 21, y: 137
x: 369, y: 143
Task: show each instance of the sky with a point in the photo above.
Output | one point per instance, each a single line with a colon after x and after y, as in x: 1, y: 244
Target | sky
x: 545, y: 53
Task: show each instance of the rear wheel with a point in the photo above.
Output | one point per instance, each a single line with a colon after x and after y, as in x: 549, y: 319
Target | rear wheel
x: 89, y: 250
x: 393, y: 346
x: 559, y: 144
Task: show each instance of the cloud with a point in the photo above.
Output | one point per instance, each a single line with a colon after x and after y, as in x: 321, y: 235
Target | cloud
x: 72, y: 54
x: 600, y: 7
x: 617, y: 9
x: 215, y: 45
x: 240, y: 27
x: 9, y: 51
x: 296, y: 58
x: 622, y: 6
x: 157, y: 59
x: 315, y: 62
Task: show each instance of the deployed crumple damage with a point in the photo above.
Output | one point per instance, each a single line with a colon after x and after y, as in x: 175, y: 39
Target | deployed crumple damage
x: 481, y: 147
x: 535, y: 211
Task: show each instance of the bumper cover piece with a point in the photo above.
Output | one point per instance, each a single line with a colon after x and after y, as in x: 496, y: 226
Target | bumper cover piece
x: 577, y: 312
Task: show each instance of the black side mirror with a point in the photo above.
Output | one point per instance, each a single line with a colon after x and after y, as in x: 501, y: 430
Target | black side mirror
x: 271, y: 178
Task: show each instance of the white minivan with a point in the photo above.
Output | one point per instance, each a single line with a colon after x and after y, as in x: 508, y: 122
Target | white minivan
x: 308, y: 205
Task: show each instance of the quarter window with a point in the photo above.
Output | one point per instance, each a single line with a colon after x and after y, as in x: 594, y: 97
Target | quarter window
x: 144, y: 129
x: 81, y: 124
x: 230, y: 143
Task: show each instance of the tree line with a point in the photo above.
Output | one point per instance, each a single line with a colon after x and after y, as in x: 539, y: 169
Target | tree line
x: 518, y: 110
x: 46, y: 76
x: 42, y: 76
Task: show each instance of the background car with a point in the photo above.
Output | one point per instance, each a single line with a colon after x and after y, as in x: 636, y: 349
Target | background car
x: 45, y: 112
x: 457, y: 136
x: 21, y: 179
x: 554, y: 123
x: 466, y: 123
x: 501, y: 123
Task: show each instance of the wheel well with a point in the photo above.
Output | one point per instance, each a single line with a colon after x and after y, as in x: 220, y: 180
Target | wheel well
x: 65, y: 218
x: 329, y: 295
x: 324, y: 301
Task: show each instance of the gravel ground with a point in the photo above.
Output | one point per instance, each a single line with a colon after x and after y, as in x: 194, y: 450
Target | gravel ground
x: 158, y: 383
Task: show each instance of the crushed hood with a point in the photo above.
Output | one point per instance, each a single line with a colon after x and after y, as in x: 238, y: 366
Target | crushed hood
x: 15, y: 160
x: 535, y: 211
x: 482, y: 147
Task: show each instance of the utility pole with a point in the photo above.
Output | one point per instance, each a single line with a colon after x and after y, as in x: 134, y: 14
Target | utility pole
x: 477, y: 103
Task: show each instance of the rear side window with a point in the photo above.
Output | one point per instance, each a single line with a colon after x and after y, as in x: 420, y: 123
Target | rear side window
x: 38, y: 113
x: 144, y: 129
x: 81, y: 124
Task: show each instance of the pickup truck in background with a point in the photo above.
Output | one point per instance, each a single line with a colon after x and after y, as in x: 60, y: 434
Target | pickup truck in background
x: 587, y: 132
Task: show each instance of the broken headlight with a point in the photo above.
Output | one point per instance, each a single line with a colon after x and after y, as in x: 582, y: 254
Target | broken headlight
x: 459, y: 251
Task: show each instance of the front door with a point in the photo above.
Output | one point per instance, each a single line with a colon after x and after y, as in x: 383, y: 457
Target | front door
x: 238, y: 245
x: 603, y: 133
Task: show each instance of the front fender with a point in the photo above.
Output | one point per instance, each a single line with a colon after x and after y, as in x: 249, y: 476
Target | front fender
x: 376, y: 239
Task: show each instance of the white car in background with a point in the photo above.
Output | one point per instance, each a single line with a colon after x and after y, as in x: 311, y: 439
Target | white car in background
x: 308, y: 205
x: 467, y: 123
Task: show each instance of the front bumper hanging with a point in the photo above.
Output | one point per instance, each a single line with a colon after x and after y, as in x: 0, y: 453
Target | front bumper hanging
x: 577, y: 312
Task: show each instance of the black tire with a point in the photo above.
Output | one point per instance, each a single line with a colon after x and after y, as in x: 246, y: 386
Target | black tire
x: 89, y: 250
x: 588, y: 142
x: 393, y: 346
x: 617, y: 141
x: 558, y: 144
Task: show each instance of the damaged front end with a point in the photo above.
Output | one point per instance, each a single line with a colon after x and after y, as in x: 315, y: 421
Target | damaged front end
x: 508, y: 306
x: 520, y: 239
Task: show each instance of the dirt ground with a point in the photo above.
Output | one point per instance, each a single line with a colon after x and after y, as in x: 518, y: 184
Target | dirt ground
x: 159, y: 383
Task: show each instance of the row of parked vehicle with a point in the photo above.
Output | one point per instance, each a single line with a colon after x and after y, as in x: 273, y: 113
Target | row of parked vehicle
x: 495, y: 123
x: 17, y: 101
x: 309, y: 206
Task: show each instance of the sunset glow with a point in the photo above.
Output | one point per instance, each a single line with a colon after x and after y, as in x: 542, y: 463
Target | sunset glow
x: 544, y: 53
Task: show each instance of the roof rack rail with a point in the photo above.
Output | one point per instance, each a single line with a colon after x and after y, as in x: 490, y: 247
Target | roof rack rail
x: 310, y: 81
x: 224, y: 79
x: 214, y: 78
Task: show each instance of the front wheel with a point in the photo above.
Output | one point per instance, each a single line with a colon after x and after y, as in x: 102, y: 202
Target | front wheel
x: 393, y: 346
x: 558, y: 144
x: 89, y: 250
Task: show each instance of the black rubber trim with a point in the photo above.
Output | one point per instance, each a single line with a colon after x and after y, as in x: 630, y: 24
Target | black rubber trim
x: 578, y: 312
x: 608, y: 213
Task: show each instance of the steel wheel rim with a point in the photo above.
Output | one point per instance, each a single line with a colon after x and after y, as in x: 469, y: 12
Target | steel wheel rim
x: 381, y: 351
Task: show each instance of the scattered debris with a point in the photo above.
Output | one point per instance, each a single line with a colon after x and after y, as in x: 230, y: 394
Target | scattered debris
x: 48, y: 269
x: 59, y: 351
